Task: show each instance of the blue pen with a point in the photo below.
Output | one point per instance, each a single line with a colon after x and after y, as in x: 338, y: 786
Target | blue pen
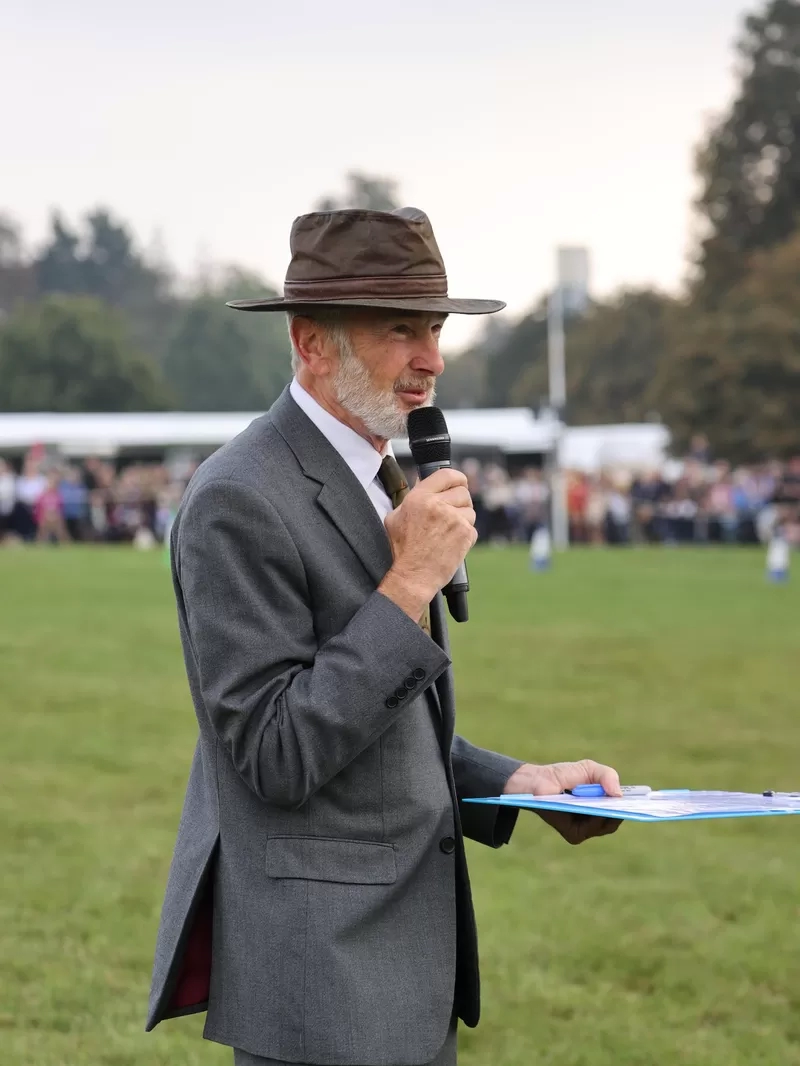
x: 596, y: 791
x: 587, y: 791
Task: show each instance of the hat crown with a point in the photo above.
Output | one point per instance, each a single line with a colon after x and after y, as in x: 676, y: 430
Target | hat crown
x: 387, y: 260
x: 382, y: 252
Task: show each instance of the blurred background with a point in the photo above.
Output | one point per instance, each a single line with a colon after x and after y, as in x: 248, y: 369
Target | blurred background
x: 627, y: 177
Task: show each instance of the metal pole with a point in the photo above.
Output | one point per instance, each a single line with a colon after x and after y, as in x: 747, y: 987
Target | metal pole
x: 555, y: 350
x: 557, y: 380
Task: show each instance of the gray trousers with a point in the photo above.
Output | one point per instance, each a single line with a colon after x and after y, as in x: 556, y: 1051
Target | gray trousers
x: 446, y: 1057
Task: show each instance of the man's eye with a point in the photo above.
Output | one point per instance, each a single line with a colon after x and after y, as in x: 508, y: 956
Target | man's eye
x: 405, y: 331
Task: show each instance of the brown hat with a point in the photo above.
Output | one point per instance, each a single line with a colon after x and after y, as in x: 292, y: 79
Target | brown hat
x: 367, y: 259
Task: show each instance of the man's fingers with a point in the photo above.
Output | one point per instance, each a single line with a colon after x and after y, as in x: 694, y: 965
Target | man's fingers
x: 441, y: 481
x: 609, y: 826
x: 596, y: 773
x: 577, y: 828
x: 456, y: 497
x: 609, y: 779
x: 585, y: 772
x: 603, y: 827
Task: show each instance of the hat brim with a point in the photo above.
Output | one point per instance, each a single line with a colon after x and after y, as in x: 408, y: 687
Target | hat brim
x: 436, y: 305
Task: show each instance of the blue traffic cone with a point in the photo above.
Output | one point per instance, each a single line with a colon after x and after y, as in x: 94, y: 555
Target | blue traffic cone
x: 778, y: 558
x: 540, y: 549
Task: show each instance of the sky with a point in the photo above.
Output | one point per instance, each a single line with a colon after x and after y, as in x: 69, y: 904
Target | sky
x: 518, y: 126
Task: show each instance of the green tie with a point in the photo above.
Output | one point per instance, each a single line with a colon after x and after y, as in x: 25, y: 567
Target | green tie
x: 393, y: 480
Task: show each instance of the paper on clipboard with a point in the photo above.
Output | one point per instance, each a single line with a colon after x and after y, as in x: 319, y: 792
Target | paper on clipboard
x: 689, y: 806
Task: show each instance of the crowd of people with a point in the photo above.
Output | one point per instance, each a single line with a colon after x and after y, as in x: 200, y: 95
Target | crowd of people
x: 49, y: 500
x: 696, y: 500
x: 703, y: 503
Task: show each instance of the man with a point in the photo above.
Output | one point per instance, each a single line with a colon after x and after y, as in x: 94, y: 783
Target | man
x: 318, y: 905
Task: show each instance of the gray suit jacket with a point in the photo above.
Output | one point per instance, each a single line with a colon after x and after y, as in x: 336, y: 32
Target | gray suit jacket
x: 318, y: 905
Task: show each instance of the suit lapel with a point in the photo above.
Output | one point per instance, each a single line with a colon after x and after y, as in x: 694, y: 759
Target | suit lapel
x: 341, y: 496
x: 350, y: 509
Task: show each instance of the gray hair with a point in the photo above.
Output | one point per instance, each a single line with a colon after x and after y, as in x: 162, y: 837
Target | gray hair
x: 331, y: 319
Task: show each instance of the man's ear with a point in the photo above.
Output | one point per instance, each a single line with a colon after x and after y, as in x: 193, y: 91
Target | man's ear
x: 313, y: 345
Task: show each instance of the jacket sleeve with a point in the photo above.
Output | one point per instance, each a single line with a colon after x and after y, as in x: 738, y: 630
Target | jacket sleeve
x: 478, y: 773
x: 291, y: 714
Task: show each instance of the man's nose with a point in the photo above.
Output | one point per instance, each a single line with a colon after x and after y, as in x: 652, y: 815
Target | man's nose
x: 428, y: 360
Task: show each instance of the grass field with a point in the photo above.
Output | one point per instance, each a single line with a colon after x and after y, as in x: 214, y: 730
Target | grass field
x: 660, y: 945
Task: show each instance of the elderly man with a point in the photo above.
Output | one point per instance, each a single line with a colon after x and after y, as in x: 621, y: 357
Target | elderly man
x: 318, y: 906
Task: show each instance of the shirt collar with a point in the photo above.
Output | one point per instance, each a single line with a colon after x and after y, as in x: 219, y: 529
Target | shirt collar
x: 358, y: 453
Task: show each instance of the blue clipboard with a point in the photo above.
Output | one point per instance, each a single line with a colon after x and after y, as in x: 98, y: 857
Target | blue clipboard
x: 669, y: 805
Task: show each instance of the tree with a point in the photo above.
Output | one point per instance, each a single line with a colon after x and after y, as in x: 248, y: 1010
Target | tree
x: 10, y: 241
x: 363, y: 191
x: 207, y: 362
x: 267, y: 333
x: 738, y: 380
x: 113, y: 268
x: 734, y: 372
x: 525, y: 346
x: 101, y: 259
x: 464, y: 381
x: 612, y: 353
x: 58, y: 266
x: 17, y: 282
x: 71, y: 353
x: 750, y: 163
x: 219, y: 359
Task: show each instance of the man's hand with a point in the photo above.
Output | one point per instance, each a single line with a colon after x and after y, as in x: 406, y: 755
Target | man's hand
x: 430, y: 533
x: 557, y: 777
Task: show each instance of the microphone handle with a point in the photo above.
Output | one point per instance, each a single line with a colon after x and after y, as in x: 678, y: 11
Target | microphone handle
x: 456, y: 589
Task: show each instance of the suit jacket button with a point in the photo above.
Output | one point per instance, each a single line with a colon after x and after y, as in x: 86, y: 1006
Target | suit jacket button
x: 400, y: 694
x: 410, y: 683
x: 419, y: 674
x: 447, y: 845
x: 392, y: 702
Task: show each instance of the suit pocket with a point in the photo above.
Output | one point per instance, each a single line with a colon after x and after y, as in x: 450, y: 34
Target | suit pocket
x: 350, y: 862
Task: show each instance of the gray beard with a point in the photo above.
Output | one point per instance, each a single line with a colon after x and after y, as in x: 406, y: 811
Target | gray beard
x: 379, y: 410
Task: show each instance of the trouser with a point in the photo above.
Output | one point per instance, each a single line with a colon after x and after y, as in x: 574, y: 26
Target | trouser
x: 446, y: 1057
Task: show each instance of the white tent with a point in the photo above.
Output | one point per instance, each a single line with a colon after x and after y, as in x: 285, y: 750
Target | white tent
x: 632, y: 446
x: 107, y: 434
x: 510, y: 431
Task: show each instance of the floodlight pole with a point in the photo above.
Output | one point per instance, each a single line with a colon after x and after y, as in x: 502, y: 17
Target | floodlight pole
x: 557, y: 383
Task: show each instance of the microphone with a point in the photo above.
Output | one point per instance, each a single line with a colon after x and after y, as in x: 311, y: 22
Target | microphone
x: 430, y: 449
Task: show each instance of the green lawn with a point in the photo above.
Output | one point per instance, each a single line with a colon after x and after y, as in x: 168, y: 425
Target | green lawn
x: 660, y: 945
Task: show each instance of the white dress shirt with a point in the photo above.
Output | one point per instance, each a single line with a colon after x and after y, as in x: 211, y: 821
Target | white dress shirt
x: 356, y: 451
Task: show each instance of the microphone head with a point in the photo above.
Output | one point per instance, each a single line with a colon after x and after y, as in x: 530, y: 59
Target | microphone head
x: 427, y: 436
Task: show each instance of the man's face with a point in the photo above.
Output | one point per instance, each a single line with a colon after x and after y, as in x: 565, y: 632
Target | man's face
x: 387, y: 365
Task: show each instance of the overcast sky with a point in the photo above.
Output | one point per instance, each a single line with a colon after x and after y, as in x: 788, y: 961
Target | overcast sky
x: 517, y: 125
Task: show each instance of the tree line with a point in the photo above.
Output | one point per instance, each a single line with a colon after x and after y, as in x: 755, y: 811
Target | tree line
x: 91, y: 322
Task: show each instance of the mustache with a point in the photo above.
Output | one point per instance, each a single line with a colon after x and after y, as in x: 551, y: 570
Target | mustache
x: 427, y: 383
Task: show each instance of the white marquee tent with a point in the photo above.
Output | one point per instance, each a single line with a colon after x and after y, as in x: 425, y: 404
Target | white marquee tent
x: 510, y: 431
